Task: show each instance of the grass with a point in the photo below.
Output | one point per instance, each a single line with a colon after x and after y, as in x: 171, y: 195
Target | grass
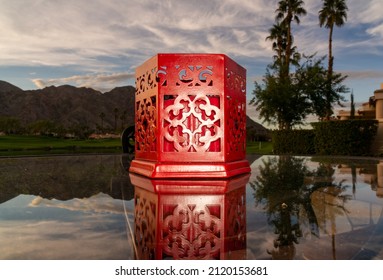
x: 19, y: 145
x: 263, y: 148
x: 35, y: 145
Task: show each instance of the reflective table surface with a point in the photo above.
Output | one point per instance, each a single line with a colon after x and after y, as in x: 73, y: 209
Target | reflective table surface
x: 90, y: 207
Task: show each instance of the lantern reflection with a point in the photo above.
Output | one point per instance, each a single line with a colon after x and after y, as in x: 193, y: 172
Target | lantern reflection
x: 177, y: 219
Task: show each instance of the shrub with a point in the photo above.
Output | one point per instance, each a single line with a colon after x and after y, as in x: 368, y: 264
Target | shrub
x: 299, y: 142
x: 348, y: 137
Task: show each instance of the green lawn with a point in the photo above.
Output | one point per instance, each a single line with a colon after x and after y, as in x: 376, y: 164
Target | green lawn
x: 263, y: 148
x: 29, y: 145
x: 14, y: 145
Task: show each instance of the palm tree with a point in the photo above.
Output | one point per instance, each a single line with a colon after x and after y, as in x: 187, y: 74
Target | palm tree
x: 333, y: 12
x: 123, y: 119
x: 115, y: 118
x: 287, y: 12
x: 352, y: 111
x: 278, y: 35
x: 102, y: 117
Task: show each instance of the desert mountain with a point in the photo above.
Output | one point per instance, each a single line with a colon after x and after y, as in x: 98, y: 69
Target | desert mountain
x: 6, y: 87
x: 68, y: 105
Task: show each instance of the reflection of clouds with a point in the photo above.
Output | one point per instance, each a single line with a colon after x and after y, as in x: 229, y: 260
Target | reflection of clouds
x: 258, y: 243
x: 346, y: 223
x: 64, y: 240
x: 258, y: 236
x: 94, y: 229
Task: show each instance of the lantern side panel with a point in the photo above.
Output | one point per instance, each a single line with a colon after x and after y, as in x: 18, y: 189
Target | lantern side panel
x: 146, y: 111
x: 192, y: 100
x: 235, y: 110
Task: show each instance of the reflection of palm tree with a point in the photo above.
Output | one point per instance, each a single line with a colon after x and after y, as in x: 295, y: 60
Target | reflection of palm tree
x: 328, y: 197
x: 286, y: 186
x: 282, y: 187
x: 353, y: 173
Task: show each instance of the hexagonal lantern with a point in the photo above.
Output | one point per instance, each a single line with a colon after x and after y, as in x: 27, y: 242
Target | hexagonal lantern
x: 190, y: 117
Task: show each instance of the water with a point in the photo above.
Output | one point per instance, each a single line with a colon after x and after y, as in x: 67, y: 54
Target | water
x: 90, y: 207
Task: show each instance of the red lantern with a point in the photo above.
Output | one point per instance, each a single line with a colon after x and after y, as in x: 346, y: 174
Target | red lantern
x: 190, y: 115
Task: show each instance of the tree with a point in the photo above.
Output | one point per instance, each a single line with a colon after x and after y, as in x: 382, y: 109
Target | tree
x: 278, y: 35
x: 287, y: 102
x: 115, y: 118
x: 352, y: 111
x: 285, y: 98
x: 287, y: 12
x: 123, y: 119
x: 312, y: 81
x: 279, y: 101
x: 10, y: 125
x: 42, y: 127
x: 81, y: 131
x: 102, y: 117
x: 333, y: 12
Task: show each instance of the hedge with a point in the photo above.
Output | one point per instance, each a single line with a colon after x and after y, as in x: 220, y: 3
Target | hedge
x: 299, y: 142
x: 348, y: 137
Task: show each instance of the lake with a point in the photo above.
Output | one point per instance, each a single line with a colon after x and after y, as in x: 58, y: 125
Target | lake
x: 90, y: 207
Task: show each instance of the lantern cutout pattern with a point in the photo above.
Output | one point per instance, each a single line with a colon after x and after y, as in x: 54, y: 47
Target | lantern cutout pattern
x: 190, y: 117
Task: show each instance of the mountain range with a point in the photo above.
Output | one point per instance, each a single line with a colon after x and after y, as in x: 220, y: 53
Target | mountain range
x: 68, y: 105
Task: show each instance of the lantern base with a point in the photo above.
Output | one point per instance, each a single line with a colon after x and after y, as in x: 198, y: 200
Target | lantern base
x: 202, y: 186
x: 177, y: 170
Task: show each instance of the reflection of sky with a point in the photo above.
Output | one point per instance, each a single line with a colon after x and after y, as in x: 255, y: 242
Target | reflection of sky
x: 362, y: 212
x: 32, y: 227
x: 92, y: 228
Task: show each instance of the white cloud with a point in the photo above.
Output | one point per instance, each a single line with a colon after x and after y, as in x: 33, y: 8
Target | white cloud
x: 77, y: 32
x: 98, y: 37
x: 361, y: 75
x: 102, y: 82
x: 90, y: 29
x: 369, y: 11
x: 376, y: 30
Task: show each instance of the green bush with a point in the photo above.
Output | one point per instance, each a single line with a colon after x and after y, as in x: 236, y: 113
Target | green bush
x: 298, y: 142
x: 349, y: 137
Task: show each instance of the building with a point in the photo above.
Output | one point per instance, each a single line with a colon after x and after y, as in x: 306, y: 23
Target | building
x: 373, y: 109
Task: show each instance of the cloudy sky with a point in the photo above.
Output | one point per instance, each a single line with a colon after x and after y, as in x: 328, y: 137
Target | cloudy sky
x: 98, y: 43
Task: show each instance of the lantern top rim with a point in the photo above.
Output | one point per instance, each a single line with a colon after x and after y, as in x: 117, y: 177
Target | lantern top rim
x: 191, y: 54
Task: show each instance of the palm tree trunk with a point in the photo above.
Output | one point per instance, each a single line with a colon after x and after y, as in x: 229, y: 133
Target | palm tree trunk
x: 288, y: 46
x: 329, y: 72
x: 330, y: 57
